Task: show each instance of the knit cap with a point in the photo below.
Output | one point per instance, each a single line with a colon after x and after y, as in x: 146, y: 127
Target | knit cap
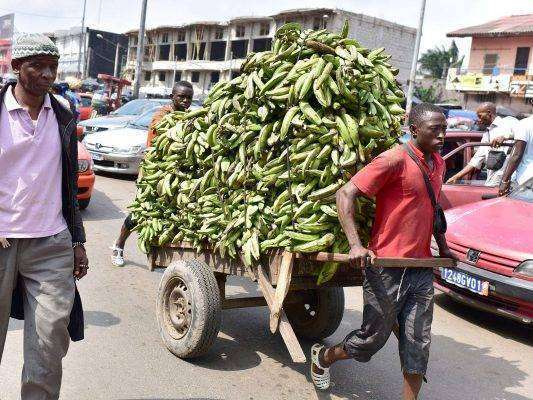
x: 33, y: 44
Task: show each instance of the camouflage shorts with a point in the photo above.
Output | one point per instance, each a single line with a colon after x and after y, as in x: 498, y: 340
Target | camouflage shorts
x: 395, y: 295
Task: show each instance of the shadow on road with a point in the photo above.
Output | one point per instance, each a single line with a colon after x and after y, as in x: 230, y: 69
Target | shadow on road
x: 455, y: 368
x: 92, y: 318
x: 100, y: 318
x: 117, y: 176
x: 503, y: 327
x: 101, y: 208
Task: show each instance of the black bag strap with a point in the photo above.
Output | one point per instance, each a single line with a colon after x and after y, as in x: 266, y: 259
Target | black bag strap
x: 429, y: 188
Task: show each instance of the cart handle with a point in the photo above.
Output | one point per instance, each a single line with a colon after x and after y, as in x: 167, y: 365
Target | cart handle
x: 384, y: 262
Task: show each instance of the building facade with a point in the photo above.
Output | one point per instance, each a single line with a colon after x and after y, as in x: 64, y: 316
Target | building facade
x: 206, y: 52
x: 98, y: 52
x: 501, y: 64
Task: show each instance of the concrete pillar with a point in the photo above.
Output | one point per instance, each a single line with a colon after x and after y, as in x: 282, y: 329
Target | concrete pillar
x: 207, y: 53
x: 188, y: 35
x: 227, y: 57
x: 250, y: 36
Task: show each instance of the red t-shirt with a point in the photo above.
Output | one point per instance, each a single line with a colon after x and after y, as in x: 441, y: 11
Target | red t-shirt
x: 403, y: 225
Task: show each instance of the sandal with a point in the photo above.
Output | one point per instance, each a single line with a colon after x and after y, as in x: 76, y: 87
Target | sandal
x: 321, y: 381
x: 117, y: 259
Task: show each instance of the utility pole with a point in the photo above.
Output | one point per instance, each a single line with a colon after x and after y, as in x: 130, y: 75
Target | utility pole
x: 82, y: 39
x: 414, y: 64
x: 140, y: 51
x: 117, y: 53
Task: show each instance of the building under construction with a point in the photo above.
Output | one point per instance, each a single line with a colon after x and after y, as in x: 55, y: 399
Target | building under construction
x: 208, y: 51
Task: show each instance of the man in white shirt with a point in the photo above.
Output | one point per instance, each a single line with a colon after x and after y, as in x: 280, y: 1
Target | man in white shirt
x: 521, y: 160
x: 497, y: 127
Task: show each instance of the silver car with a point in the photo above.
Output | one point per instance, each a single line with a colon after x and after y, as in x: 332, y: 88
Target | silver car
x: 120, y: 150
x: 122, y: 115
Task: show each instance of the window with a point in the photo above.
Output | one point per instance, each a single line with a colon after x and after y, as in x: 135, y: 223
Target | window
x: 150, y: 40
x: 164, y: 37
x: 198, y: 51
x: 133, y: 53
x: 489, y: 62
x: 219, y: 33
x: 195, y: 76
x: 317, y: 23
x: 164, y: 52
x: 264, y: 29
x: 218, y: 51
x: 289, y: 20
x: 262, y: 44
x: 215, y: 77
x: 238, y: 48
x: 177, y: 76
x: 520, y: 64
x: 180, y: 36
x: 147, y: 76
x: 180, y: 51
x: 240, y: 31
x: 161, y: 75
x: 134, y: 40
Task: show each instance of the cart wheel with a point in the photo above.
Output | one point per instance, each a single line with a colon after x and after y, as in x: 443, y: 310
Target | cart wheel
x: 318, y: 314
x: 188, y: 308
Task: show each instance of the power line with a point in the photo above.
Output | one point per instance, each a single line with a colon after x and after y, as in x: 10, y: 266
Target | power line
x: 36, y: 15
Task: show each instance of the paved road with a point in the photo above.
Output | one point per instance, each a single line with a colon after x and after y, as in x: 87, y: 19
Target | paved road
x: 475, y: 356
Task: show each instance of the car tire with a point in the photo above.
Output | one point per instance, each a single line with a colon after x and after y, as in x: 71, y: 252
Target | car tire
x: 83, y: 204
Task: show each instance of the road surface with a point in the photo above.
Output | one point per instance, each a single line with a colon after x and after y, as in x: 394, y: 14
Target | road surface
x: 474, y: 356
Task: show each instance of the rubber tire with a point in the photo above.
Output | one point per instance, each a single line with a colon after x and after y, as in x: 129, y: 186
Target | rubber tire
x: 83, y: 204
x: 205, y: 305
x: 328, y: 314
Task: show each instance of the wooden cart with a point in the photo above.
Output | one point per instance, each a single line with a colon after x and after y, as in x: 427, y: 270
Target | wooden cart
x: 192, y: 294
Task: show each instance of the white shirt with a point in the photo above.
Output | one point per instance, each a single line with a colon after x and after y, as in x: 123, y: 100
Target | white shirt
x: 499, y: 127
x: 524, y: 131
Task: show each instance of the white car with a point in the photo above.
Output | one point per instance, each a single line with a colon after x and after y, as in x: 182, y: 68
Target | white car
x: 120, y: 150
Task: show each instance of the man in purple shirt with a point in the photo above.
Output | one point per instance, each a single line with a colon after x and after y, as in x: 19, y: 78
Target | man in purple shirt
x: 42, y: 233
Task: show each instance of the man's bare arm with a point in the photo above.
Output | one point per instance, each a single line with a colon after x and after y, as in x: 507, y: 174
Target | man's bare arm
x: 514, y: 160
x: 465, y: 171
x: 346, y: 198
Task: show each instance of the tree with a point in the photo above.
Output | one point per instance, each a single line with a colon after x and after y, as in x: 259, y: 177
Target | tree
x: 428, y: 95
x: 438, y: 60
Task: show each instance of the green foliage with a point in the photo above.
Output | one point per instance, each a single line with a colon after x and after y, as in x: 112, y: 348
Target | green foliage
x: 438, y: 60
x: 428, y: 95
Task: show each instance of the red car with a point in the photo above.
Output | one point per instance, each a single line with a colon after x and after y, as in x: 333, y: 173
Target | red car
x: 493, y: 240
x: 85, y: 108
x: 85, y: 177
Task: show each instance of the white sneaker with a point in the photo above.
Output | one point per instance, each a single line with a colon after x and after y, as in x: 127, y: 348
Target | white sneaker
x: 117, y: 259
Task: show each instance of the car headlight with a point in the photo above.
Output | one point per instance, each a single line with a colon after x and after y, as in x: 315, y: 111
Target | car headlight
x: 525, y: 268
x: 83, y: 165
x: 127, y: 150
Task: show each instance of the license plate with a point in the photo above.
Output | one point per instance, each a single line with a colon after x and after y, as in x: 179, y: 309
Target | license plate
x: 96, y: 156
x: 465, y: 281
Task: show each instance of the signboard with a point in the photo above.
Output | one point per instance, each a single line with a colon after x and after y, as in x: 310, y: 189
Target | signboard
x: 477, y: 82
x: 521, y: 86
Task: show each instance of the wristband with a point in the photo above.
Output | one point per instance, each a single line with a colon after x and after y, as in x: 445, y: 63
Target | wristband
x: 76, y: 244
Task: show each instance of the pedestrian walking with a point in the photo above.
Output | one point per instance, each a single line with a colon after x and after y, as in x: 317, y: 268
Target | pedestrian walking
x: 403, y: 181
x: 42, y: 250
x: 182, y: 94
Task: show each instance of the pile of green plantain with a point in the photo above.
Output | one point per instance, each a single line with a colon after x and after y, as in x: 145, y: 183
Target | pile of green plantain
x: 258, y: 166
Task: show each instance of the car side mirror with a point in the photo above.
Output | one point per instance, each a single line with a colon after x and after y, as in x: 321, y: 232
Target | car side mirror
x: 488, y: 196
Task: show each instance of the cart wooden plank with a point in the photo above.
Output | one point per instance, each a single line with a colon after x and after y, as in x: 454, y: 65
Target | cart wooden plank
x: 285, y: 328
x: 282, y: 288
x: 384, y: 262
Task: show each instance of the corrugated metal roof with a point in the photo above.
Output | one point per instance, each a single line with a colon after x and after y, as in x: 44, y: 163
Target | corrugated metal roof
x: 505, y: 26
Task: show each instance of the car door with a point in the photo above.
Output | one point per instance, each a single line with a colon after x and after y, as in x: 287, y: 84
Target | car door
x: 467, y: 190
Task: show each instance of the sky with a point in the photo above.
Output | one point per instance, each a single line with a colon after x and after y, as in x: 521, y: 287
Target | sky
x: 441, y: 16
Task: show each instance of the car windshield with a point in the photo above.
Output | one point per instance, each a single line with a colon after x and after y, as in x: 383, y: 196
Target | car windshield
x: 143, y: 121
x: 524, y: 192
x: 136, y: 107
